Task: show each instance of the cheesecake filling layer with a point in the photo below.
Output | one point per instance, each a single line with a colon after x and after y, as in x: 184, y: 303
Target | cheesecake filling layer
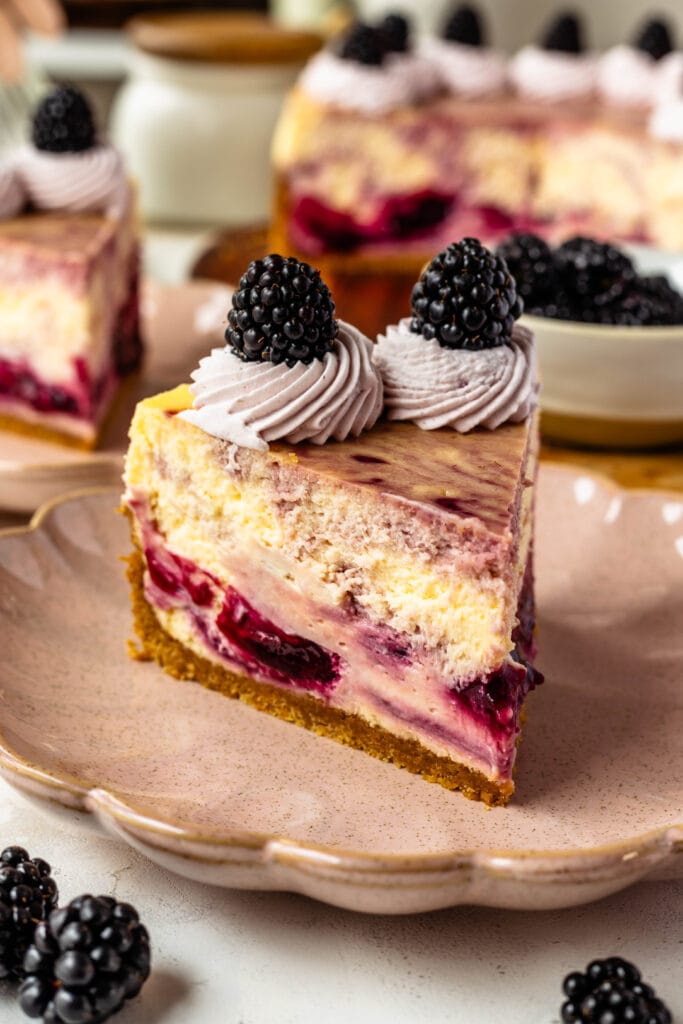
x: 420, y: 559
x: 258, y: 624
x: 77, y: 393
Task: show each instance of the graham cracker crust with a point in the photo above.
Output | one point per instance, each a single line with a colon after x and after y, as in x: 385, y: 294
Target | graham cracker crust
x: 41, y: 433
x: 300, y: 709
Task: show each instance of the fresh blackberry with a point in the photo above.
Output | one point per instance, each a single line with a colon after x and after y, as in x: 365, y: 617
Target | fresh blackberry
x: 27, y: 895
x: 556, y: 308
x: 669, y: 301
x: 282, y: 312
x: 464, y: 26
x: 530, y: 261
x: 363, y: 44
x: 593, y: 273
x: 63, y: 122
x: 466, y: 298
x: 394, y: 31
x: 564, y: 34
x: 654, y: 38
x: 611, y: 992
x: 650, y: 302
x: 85, y: 961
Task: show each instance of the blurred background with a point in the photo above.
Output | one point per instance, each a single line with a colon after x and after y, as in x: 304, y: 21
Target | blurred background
x: 193, y: 103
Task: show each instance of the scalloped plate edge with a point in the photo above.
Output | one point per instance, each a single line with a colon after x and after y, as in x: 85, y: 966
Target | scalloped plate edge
x: 373, y: 883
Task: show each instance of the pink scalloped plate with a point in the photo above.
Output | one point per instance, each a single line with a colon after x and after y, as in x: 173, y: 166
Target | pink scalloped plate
x: 219, y: 792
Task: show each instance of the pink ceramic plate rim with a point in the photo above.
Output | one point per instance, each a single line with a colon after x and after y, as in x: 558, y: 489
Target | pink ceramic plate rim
x: 607, y: 867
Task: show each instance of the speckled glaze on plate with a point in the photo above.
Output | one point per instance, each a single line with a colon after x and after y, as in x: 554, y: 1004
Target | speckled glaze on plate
x: 180, y: 325
x: 219, y: 792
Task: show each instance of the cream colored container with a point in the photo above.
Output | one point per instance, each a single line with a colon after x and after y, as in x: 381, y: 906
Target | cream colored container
x: 196, y: 117
x: 610, y: 386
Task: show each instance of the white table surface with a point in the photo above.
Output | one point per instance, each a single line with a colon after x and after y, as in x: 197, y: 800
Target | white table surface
x: 223, y: 957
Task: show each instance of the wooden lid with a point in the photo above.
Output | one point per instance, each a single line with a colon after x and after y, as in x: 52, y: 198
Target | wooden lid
x: 221, y: 38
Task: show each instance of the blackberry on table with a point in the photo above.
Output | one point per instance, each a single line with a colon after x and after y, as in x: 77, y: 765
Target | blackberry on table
x: 564, y: 34
x: 593, y: 273
x: 282, y: 312
x: 363, y: 44
x: 63, y: 122
x: 28, y: 893
x: 611, y: 991
x: 464, y: 26
x: 531, y: 263
x: 655, y: 38
x: 394, y: 31
x: 466, y: 298
x: 86, y: 959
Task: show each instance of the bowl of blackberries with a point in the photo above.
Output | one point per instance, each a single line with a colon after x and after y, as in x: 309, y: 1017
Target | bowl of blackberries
x: 609, y: 340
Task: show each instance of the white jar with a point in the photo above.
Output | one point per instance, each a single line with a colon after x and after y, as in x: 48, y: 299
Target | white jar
x: 195, y: 119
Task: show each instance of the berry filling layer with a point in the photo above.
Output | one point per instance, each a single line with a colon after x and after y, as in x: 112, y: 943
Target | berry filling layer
x: 337, y: 653
x: 85, y: 396
x: 319, y: 228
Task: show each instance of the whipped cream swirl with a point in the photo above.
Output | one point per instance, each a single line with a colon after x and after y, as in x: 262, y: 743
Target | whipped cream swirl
x: 552, y: 75
x: 627, y: 77
x: 368, y: 89
x: 666, y: 121
x: 12, y: 197
x: 91, y: 181
x: 251, y: 404
x: 669, y: 77
x: 441, y: 387
x: 466, y: 70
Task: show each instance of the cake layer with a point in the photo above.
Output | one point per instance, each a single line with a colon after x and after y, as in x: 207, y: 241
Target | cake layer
x: 385, y: 587
x: 64, y: 279
x: 425, y: 174
x: 69, y: 319
x: 433, y: 546
x: 301, y: 708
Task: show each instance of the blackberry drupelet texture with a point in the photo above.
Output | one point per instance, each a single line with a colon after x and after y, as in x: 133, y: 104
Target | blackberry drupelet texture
x: 394, y: 32
x: 531, y: 263
x: 611, y: 992
x: 466, y: 298
x: 282, y: 312
x: 63, y: 122
x: 655, y: 38
x: 464, y: 26
x: 85, y: 961
x: 593, y: 273
x: 363, y: 44
x: 564, y: 35
x: 28, y: 894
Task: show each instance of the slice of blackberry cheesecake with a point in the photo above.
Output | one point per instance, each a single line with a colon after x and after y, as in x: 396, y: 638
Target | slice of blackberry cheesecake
x: 69, y: 321
x: 366, y: 576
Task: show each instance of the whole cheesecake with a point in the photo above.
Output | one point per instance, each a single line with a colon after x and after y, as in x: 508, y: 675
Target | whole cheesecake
x: 388, y: 148
x: 366, y: 577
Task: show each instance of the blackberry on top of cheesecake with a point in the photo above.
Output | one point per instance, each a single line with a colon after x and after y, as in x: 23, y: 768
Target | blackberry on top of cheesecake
x: 69, y: 326
x: 361, y: 576
x: 465, y: 64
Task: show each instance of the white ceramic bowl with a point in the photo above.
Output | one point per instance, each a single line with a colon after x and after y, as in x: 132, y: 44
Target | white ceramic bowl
x: 615, y: 386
